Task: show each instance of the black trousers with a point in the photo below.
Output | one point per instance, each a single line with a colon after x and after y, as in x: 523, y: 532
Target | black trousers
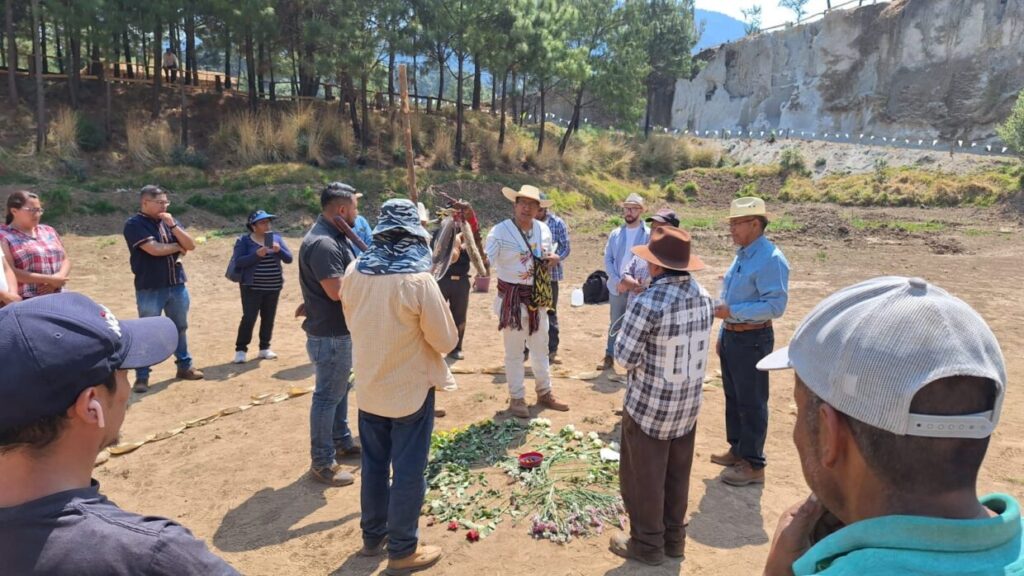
x: 553, y: 320
x: 262, y: 303
x: 746, y: 392
x: 456, y: 292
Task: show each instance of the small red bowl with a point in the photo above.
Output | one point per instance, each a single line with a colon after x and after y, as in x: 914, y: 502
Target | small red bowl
x: 530, y: 459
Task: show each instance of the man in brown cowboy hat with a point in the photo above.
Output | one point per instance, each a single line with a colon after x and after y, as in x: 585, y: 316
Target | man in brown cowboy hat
x: 663, y: 344
x: 521, y: 254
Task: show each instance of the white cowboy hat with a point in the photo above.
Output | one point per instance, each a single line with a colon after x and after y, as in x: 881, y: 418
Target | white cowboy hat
x: 748, y: 206
x: 526, y: 191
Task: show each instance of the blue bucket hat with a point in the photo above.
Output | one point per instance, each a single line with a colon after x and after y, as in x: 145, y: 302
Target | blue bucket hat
x: 54, y: 347
x: 400, y: 213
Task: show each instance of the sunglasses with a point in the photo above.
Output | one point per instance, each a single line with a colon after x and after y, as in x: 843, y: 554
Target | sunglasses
x: 39, y: 211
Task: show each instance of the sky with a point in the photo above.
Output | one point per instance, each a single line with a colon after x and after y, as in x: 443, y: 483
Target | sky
x: 771, y: 14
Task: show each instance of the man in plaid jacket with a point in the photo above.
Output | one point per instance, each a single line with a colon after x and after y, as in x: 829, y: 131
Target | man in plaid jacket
x: 663, y: 343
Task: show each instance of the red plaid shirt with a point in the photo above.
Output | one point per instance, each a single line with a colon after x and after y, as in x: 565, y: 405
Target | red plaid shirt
x: 42, y: 254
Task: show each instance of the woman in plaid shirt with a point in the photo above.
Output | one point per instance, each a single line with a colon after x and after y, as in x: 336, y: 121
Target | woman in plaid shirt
x: 663, y: 344
x: 32, y: 249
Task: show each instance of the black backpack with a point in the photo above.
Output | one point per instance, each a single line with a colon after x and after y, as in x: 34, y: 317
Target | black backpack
x: 595, y: 289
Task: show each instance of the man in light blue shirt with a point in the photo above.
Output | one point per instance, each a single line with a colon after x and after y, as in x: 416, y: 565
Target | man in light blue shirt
x: 364, y: 231
x: 898, y: 388
x: 754, y: 292
x: 617, y: 256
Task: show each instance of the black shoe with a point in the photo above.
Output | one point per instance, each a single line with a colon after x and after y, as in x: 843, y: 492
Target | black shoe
x: 141, y: 385
x: 342, y: 453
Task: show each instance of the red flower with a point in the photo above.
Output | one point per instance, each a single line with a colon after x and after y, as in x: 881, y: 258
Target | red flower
x: 472, y: 536
x: 453, y: 525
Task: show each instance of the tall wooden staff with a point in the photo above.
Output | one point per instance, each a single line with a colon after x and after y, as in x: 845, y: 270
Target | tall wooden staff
x: 410, y: 154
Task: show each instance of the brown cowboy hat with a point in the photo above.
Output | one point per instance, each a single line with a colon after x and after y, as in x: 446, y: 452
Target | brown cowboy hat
x: 669, y: 248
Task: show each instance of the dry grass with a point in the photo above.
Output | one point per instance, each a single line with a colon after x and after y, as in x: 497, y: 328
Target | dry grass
x: 441, y: 155
x: 148, y: 143
x: 63, y: 134
x: 547, y: 159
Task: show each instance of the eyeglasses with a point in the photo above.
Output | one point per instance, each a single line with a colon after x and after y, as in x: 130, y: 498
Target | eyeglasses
x: 734, y: 223
x: 160, y: 202
x: 32, y: 210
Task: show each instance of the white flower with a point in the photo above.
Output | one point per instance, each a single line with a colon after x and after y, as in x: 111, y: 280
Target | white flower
x: 541, y: 422
x: 577, y: 435
x: 593, y: 436
x: 614, y: 446
x: 598, y: 443
x: 569, y: 428
x: 583, y: 457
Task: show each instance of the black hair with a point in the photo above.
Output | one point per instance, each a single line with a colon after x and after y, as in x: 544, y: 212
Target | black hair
x: 151, y: 191
x: 336, y: 192
x: 17, y: 199
x: 36, y: 436
x: 921, y: 464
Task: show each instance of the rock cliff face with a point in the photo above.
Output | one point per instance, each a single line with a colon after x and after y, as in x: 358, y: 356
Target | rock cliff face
x: 944, y: 69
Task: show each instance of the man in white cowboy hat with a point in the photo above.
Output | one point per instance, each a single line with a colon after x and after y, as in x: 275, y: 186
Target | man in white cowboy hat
x: 754, y: 292
x: 616, y: 260
x: 521, y: 253
x: 898, y: 388
x: 663, y: 344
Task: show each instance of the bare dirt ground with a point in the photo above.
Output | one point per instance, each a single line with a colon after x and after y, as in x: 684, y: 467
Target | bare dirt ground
x: 240, y: 482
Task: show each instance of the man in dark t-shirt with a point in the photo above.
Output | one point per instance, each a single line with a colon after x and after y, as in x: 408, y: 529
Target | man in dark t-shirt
x: 156, y: 243
x: 59, y: 409
x: 323, y: 257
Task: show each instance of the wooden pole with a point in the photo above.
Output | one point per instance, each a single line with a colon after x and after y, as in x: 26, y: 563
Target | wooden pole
x: 410, y: 154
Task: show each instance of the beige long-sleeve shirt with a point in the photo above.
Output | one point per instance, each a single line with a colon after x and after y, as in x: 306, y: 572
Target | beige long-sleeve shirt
x: 401, y: 329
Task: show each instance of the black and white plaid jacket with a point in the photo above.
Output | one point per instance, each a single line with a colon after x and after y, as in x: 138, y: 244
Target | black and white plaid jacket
x: 663, y: 343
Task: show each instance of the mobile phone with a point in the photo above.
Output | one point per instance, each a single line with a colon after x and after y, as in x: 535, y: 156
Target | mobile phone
x: 268, y: 241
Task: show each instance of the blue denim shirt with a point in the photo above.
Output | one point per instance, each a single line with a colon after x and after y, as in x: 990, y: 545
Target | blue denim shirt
x: 364, y: 231
x: 756, y: 287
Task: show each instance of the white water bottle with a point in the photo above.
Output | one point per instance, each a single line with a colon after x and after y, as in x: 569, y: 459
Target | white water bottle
x: 577, y: 297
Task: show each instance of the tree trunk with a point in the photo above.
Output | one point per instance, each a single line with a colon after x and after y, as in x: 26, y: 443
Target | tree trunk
x: 145, y: 57
x: 75, y: 65
x: 494, y: 94
x: 349, y: 95
x: 259, y: 71
x: 440, y: 75
x: 415, y: 87
x: 227, y: 57
x: 117, y: 55
x: 522, y: 102
x: 42, y: 45
x: 295, y: 71
x: 157, y: 76
x: 95, y: 64
x: 501, y: 122
x: 573, y: 123
x: 191, y: 69
x: 364, y: 82
x: 250, y: 70
x: 12, y: 52
x: 647, y: 112
x: 391, y: 79
x: 459, y: 109
x: 477, y: 80
x: 542, y: 116
x: 308, y: 80
x: 40, y: 95
x: 184, y: 116
x: 57, y: 34
x: 515, y: 101
x: 126, y: 48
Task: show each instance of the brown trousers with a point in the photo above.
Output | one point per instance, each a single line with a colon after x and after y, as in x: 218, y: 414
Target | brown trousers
x: 654, y: 478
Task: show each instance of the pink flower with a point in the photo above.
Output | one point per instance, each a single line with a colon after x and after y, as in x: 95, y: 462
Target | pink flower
x: 472, y: 536
x: 453, y: 525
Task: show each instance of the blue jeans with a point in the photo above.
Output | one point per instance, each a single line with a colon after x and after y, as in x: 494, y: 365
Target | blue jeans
x: 617, y: 305
x: 172, y: 302
x: 401, y: 445
x: 746, y: 392
x: 328, y: 417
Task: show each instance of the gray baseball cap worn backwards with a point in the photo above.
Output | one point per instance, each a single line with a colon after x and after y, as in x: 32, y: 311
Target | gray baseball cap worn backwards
x: 867, y: 349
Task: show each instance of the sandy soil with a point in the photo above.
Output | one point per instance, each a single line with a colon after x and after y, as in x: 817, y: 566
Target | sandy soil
x: 240, y: 482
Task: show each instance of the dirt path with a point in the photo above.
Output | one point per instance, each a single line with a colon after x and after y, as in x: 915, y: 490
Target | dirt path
x: 240, y: 482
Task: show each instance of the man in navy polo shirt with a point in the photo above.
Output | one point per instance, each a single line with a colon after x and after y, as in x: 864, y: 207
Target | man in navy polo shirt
x: 156, y: 242
x: 59, y: 410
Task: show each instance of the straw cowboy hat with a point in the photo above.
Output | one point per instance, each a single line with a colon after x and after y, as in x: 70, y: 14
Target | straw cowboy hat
x: 634, y: 199
x: 670, y: 248
x: 527, y: 191
x: 747, y: 206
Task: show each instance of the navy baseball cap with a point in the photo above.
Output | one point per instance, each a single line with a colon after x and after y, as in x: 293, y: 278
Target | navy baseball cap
x: 53, y: 347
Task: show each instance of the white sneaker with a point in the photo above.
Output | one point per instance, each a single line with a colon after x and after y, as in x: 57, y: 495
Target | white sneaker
x: 267, y: 354
x: 239, y: 358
